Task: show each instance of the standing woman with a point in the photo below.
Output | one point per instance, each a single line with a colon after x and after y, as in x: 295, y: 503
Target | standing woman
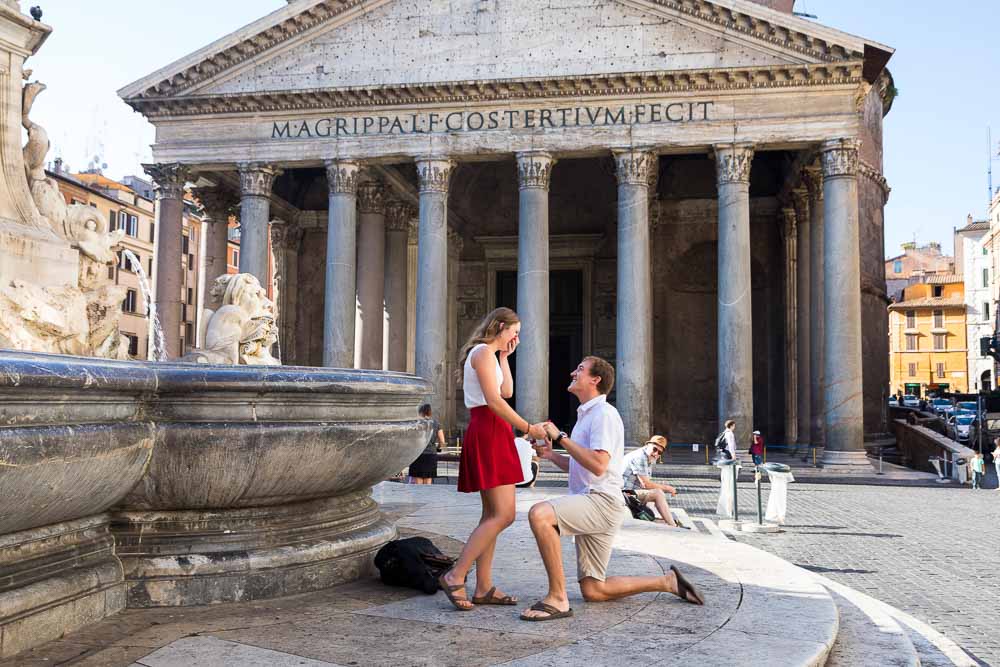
x: 996, y: 460
x: 489, y: 462
x: 424, y: 469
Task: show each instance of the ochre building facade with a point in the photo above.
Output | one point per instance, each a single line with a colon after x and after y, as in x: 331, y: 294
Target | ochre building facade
x: 691, y: 189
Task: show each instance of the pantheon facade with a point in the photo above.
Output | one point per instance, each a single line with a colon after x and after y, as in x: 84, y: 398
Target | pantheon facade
x: 692, y: 189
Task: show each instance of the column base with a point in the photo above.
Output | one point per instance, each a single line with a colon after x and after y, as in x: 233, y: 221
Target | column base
x: 55, y: 580
x: 855, y: 462
x: 199, y: 557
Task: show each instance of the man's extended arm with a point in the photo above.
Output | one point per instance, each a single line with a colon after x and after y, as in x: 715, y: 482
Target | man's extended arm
x: 647, y: 483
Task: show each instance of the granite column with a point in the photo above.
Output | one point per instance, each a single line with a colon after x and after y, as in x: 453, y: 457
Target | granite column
x: 216, y: 204
x: 531, y: 393
x: 800, y: 198
x: 170, y: 180
x: 790, y: 236
x: 339, y: 306
x: 735, y: 321
x: 842, y: 381
x: 432, y: 276
x: 371, y: 274
x: 814, y: 182
x: 634, y: 343
x: 255, y: 214
x: 397, y: 221
x: 286, y: 240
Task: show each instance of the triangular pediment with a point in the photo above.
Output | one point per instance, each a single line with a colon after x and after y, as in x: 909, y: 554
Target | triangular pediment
x: 316, y: 45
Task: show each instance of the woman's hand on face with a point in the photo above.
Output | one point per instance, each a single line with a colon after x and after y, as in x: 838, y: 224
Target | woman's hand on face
x: 511, y: 346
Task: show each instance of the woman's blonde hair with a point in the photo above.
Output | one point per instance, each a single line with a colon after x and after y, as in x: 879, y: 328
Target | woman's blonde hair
x: 489, y: 329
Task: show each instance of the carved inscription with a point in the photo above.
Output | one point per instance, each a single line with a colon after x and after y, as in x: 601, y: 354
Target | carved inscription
x: 496, y: 119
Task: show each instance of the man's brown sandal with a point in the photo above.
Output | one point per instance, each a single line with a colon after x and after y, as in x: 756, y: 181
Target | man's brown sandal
x: 552, y: 612
x: 492, y: 598
x: 449, y: 590
x: 686, y: 589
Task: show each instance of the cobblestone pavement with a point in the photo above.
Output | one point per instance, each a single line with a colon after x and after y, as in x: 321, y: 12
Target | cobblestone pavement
x: 931, y: 552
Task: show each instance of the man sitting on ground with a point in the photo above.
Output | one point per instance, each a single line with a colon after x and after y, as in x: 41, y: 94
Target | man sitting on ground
x: 594, y: 508
x: 638, y: 474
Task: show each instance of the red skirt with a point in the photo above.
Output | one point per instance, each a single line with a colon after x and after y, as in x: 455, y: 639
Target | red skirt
x: 489, y: 457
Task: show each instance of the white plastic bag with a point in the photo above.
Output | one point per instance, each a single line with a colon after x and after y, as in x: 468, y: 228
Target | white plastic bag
x: 725, y: 506
x: 777, y: 499
x: 524, y: 452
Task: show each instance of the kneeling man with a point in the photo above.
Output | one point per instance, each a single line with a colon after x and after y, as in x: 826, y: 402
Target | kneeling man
x: 594, y: 508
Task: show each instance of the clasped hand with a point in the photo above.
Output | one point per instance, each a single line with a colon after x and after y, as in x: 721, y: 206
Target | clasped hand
x: 543, y: 434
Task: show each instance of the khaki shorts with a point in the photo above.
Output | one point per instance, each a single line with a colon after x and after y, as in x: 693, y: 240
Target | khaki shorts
x: 593, y: 518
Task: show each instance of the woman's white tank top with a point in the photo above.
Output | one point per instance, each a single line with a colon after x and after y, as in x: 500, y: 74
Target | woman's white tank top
x: 474, y: 396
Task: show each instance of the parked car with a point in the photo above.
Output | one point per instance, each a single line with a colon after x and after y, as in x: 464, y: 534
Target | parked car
x: 942, y: 406
x: 970, y: 406
x: 911, y: 401
x: 962, y: 426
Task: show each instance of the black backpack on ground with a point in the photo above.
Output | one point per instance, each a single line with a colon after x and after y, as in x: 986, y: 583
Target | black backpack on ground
x: 413, y: 562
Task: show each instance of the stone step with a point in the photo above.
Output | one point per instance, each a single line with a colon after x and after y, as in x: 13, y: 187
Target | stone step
x: 869, y: 637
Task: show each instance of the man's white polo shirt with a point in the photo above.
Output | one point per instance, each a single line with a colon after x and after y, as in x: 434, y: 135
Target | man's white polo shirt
x: 598, y: 427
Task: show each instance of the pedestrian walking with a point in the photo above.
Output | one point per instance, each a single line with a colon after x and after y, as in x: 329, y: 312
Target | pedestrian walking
x: 757, y: 448
x: 977, y: 467
x: 424, y: 469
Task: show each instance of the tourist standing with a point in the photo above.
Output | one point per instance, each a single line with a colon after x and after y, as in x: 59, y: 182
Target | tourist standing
x: 729, y: 438
x: 757, y: 448
x: 996, y: 460
x: 489, y: 462
x: 977, y: 466
x: 424, y: 469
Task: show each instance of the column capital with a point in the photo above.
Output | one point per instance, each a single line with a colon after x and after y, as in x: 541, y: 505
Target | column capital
x: 169, y: 179
x: 216, y: 203
x: 342, y: 176
x: 371, y: 197
x: 284, y: 235
x: 534, y: 170
x: 633, y: 165
x: 800, y: 200
x: 256, y: 179
x: 732, y: 163
x: 839, y: 157
x: 434, y: 174
x: 398, y: 215
x: 812, y: 177
x: 789, y: 222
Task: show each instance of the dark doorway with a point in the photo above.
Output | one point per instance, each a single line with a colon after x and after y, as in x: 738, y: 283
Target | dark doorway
x: 565, y: 336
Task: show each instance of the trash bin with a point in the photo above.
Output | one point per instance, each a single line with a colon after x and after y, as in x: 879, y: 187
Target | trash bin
x: 777, y: 500
x: 960, y: 469
x: 729, y: 471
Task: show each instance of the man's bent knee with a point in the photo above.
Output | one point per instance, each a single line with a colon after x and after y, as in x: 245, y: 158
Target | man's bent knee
x: 593, y: 590
x: 541, y: 514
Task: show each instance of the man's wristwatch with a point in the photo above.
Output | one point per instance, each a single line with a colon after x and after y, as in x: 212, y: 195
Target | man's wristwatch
x: 562, y: 434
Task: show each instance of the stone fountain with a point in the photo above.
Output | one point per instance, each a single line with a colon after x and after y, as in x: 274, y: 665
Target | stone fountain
x: 221, y: 477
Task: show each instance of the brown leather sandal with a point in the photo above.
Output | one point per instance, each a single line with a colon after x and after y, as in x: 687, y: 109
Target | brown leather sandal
x: 686, y: 589
x: 449, y: 591
x: 491, y: 598
x: 552, y: 612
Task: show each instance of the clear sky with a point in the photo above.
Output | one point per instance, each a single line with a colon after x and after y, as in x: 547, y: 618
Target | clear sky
x: 946, y: 67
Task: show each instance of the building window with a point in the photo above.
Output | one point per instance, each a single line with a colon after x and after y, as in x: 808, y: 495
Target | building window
x: 897, y: 266
x: 122, y: 220
x: 112, y: 221
x: 939, y: 341
x: 131, y: 298
x: 912, y: 368
x: 939, y: 319
x: 185, y: 245
x: 985, y: 251
x: 123, y: 262
x: 152, y: 232
x: 234, y: 234
x: 150, y: 273
x: 236, y: 258
x: 133, y: 226
x: 911, y: 319
x: 986, y: 277
x: 986, y: 310
x: 190, y: 262
x: 911, y: 343
x: 939, y: 371
x: 190, y: 295
x: 111, y: 272
x: 189, y: 331
x: 938, y: 291
x: 133, y: 344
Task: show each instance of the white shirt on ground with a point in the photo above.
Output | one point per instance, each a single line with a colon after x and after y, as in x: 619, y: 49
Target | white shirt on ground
x: 473, y: 391
x: 598, y: 427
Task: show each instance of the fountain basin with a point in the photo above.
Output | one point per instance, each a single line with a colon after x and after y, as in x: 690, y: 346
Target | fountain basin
x: 179, y: 484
